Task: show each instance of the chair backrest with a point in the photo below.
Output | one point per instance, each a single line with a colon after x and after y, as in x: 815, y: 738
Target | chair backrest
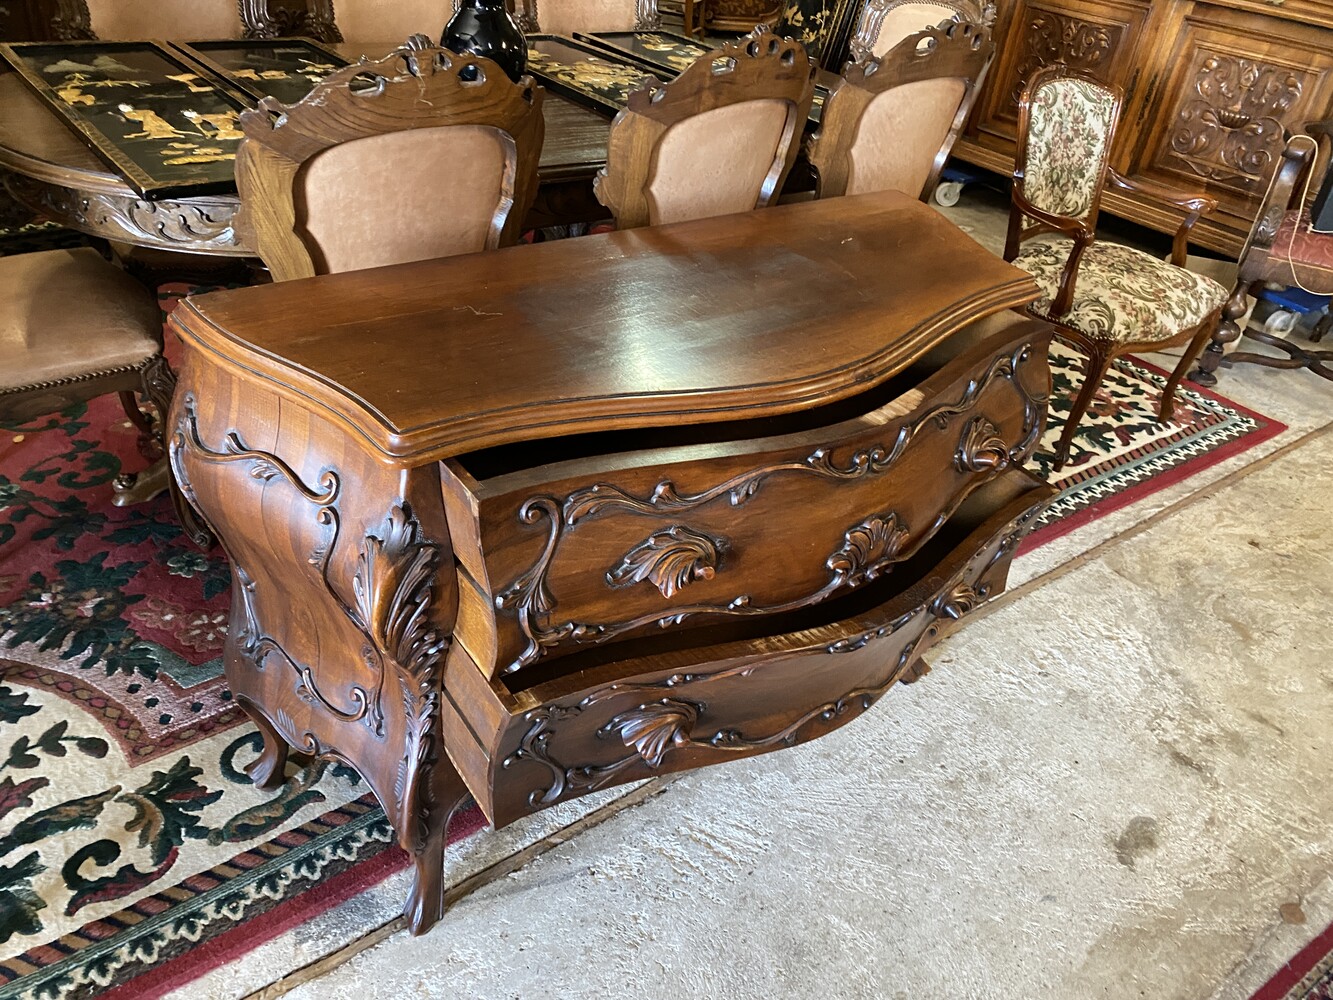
x: 182, y: 20
x: 885, y: 23
x: 370, y: 21
x: 1066, y: 126
x: 719, y: 139
x: 288, y: 18
x: 890, y: 123
x: 418, y: 155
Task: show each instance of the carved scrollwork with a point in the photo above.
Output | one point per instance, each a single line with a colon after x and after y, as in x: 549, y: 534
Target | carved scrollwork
x: 1232, y: 127
x: 1053, y: 37
x: 670, y: 560
x: 530, y: 597
x: 394, y: 585
x: 311, y: 19
x: 196, y: 224
x: 72, y: 22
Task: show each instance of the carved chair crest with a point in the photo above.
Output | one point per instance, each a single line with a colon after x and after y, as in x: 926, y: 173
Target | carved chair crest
x: 289, y: 18
x: 756, y: 69
x: 958, y: 51
x: 415, y: 87
x: 906, y: 16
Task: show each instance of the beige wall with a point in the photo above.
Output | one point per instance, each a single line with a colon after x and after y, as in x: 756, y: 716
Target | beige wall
x: 565, y: 16
x: 381, y: 22
x: 181, y: 20
x: 389, y: 22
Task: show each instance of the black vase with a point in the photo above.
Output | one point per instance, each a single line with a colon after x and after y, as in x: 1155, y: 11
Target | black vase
x: 485, y: 28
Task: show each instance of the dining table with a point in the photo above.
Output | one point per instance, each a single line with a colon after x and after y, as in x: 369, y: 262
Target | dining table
x: 48, y: 169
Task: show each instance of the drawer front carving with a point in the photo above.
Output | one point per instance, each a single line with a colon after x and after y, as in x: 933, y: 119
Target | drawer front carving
x: 659, y: 546
x: 745, y: 705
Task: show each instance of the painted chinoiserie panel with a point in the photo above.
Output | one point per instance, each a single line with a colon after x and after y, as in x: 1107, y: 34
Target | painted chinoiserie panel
x: 148, y: 112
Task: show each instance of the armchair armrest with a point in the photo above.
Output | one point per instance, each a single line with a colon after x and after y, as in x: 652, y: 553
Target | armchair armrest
x: 1196, y: 205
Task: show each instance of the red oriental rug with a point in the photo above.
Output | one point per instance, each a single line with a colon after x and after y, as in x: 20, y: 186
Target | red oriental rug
x: 134, y: 853
x: 1308, y: 976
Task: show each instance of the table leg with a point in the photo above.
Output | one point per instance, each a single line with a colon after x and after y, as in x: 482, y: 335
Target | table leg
x: 139, y: 487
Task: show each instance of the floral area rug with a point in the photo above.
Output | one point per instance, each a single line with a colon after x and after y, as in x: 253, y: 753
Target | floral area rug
x: 1120, y: 452
x: 134, y: 852
x: 1308, y: 976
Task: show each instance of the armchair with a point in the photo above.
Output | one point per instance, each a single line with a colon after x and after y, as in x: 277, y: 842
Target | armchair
x: 1280, y: 249
x: 1105, y: 298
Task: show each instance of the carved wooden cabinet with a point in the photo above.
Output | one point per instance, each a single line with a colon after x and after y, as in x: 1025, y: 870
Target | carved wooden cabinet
x: 611, y: 507
x: 1209, y: 89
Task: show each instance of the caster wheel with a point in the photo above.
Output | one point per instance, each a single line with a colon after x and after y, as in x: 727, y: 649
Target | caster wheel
x: 948, y: 193
x: 1280, y: 323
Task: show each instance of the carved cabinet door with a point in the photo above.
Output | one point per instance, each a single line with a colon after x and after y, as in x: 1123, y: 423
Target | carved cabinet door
x: 1224, y: 87
x: 1100, y: 37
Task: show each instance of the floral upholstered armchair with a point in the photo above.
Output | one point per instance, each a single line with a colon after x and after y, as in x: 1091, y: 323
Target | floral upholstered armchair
x: 1105, y: 298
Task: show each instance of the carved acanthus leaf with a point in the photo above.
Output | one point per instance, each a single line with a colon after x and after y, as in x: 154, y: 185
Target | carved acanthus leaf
x: 670, y: 560
x: 981, y: 448
x: 653, y: 729
x: 868, y: 549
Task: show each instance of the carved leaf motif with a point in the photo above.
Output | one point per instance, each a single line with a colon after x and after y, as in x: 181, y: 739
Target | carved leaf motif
x: 869, y: 548
x: 958, y: 602
x: 669, y: 560
x: 981, y: 449
x: 653, y: 729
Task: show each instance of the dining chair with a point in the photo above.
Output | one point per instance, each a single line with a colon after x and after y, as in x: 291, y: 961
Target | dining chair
x: 173, y: 20
x: 885, y: 23
x: 719, y: 139
x: 418, y: 155
x: 1105, y: 298
x: 74, y: 327
x: 1281, y: 249
x: 889, y: 124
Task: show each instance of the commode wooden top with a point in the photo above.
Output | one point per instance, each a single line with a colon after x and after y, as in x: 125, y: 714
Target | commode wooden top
x: 740, y: 316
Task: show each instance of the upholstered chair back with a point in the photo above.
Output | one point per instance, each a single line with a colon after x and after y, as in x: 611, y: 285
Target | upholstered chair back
x: 1066, y: 127
x: 890, y: 123
x: 719, y: 139
x: 885, y: 23
x: 183, y: 20
x: 404, y: 158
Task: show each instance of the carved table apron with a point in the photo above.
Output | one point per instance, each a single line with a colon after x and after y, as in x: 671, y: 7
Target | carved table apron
x: 533, y: 523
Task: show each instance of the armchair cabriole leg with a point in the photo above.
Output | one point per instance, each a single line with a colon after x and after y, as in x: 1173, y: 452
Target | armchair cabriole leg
x: 1205, y: 333
x: 1098, y: 362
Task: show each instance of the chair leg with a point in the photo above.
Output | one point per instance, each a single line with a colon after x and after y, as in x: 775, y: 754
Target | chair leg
x: 1322, y: 327
x: 1201, y: 337
x: 1098, y: 362
x: 149, y: 442
x: 1228, y: 330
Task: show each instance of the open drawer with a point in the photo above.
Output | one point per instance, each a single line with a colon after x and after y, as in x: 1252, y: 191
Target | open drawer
x: 631, y: 534
x: 629, y: 710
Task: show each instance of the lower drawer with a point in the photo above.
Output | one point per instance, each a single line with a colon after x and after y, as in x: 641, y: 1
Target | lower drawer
x: 684, y: 708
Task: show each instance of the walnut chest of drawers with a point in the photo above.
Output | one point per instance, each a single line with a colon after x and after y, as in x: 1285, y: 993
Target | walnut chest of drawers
x: 527, y: 524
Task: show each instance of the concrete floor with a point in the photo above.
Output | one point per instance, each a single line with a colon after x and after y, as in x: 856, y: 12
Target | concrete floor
x: 1115, y: 783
